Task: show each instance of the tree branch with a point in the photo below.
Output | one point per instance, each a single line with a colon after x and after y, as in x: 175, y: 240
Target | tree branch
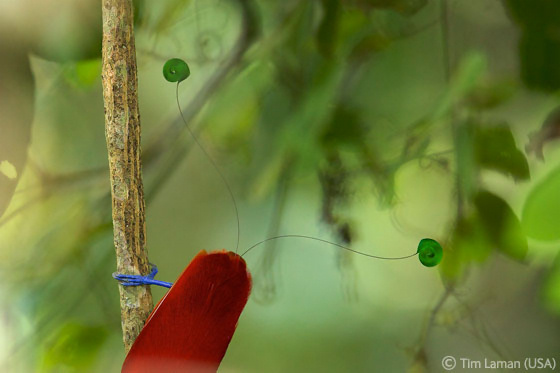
x: 122, y: 126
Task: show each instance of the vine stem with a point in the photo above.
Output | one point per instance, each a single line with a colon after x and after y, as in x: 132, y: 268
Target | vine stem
x: 122, y: 130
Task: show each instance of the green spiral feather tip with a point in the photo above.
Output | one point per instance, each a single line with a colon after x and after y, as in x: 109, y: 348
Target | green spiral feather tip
x: 430, y: 252
x: 176, y: 70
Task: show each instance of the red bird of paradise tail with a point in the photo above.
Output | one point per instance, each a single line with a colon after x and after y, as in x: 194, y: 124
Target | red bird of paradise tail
x: 191, y: 327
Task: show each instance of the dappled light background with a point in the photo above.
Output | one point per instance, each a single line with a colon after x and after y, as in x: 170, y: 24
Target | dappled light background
x: 371, y: 123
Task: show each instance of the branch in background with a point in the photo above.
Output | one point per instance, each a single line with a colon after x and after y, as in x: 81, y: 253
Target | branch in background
x: 122, y: 125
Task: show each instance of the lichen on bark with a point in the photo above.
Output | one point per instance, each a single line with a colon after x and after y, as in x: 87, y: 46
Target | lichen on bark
x: 122, y: 129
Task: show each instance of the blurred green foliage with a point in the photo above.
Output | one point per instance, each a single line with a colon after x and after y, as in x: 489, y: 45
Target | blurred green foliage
x: 73, y: 348
x: 491, y: 225
x: 540, y: 42
x: 84, y: 74
x: 494, y: 148
x: 374, y: 123
x: 543, y: 202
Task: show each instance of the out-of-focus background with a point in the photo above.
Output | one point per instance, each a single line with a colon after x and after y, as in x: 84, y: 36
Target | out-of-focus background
x: 371, y: 123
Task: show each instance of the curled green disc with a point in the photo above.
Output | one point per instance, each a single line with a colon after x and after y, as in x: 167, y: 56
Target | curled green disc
x: 176, y: 70
x: 429, y: 252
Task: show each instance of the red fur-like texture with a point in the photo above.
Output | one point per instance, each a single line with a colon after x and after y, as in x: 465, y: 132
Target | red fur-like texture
x: 190, y: 328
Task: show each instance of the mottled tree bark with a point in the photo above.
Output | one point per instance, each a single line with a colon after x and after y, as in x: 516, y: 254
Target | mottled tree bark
x: 122, y: 129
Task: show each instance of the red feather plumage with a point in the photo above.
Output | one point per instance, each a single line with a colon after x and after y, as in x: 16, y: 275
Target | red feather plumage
x: 190, y: 329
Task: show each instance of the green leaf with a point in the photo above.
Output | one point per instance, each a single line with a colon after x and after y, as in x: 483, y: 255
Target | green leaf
x: 84, y: 74
x: 74, y: 346
x: 501, y: 225
x: 540, y: 60
x: 490, y: 226
x: 541, y: 213
x: 495, y: 149
x: 468, y: 244
x: 551, y: 288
